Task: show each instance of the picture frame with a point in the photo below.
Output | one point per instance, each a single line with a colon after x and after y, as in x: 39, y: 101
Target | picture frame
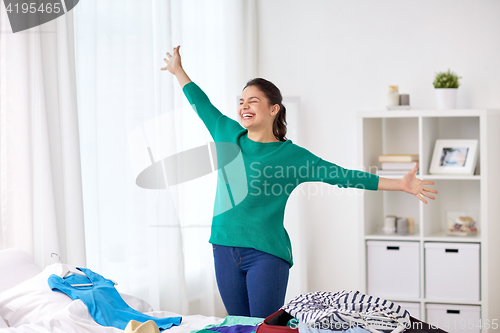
x: 454, y: 157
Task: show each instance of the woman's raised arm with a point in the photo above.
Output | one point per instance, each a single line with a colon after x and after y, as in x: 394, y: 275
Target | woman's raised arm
x: 174, y: 66
x: 199, y: 101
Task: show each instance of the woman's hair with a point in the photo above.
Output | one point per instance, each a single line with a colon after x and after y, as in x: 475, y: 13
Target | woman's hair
x: 273, y: 95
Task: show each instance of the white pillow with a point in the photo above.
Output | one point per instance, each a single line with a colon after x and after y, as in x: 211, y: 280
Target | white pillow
x: 32, y: 299
x: 16, y: 266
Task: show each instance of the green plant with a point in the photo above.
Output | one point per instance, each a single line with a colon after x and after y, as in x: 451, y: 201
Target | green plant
x: 446, y: 80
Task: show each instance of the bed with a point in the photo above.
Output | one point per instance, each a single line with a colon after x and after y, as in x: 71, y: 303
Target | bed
x: 27, y: 305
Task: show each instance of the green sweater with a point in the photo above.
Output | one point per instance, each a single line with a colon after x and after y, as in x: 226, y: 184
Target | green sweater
x: 255, y: 180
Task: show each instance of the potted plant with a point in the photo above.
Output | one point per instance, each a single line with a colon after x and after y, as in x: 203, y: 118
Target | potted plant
x: 446, y: 86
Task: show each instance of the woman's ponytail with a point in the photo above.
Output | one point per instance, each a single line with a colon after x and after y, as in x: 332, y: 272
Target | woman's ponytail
x: 279, y: 124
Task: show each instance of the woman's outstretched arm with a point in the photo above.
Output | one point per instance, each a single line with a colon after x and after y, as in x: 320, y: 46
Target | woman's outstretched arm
x: 174, y: 66
x: 410, y: 184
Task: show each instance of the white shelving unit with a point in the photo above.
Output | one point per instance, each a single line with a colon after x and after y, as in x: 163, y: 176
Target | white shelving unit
x: 415, y: 131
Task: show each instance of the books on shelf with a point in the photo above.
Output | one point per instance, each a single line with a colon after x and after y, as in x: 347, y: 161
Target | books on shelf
x: 396, y: 164
x: 400, y: 158
x: 381, y: 172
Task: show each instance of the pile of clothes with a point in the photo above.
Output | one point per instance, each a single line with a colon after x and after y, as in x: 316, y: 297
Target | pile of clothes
x: 328, y: 312
x: 344, y: 310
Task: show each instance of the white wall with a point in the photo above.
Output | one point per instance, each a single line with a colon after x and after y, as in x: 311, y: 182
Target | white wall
x: 339, y: 57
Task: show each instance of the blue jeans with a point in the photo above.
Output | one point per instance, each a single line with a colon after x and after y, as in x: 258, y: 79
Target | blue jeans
x: 251, y: 282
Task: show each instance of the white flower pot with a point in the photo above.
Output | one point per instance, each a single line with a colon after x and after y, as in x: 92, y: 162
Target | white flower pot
x: 446, y: 98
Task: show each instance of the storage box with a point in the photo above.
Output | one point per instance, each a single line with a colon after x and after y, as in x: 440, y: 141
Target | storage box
x: 413, y: 309
x: 454, y: 318
x: 452, y: 271
x: 393, y: 269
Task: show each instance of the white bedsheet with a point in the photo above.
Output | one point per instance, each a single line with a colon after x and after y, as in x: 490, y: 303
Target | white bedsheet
x: 75, y: 318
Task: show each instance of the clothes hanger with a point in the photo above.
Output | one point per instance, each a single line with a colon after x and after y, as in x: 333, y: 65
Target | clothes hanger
x: 82, y: 285
x: 76, y: 272
x: 72, y: 270
x: 68, y: 270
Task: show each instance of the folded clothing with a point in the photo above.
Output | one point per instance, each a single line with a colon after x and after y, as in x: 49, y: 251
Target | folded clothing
x: 234, y: 324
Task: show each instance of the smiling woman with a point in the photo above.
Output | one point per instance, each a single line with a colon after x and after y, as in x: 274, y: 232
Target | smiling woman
x: 251, y: 248
x: 262, y: 111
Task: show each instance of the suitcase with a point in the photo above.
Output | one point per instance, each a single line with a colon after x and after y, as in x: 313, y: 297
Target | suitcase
x: 277, y: 323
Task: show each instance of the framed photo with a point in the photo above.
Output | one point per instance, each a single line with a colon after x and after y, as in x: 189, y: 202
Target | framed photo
x: 454, y: 157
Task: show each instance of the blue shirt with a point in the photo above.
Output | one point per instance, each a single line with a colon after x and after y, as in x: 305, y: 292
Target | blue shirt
x: 104, y: 302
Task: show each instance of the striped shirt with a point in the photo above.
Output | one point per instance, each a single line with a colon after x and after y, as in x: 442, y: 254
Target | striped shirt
x: 343, y: 310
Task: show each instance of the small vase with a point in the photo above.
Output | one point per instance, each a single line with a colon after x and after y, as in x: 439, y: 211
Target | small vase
x: 446, y: 98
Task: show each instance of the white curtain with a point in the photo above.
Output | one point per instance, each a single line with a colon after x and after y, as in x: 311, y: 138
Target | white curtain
x: 132, y: 115
x: 40, y: 180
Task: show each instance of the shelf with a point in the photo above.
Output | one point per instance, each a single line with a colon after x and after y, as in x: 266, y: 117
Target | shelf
x: 392, y: 237
x: 427, y: 113
x: 453, y: 195
x: 406, y: 300
x: 437, y: 237
x: 437, y: 177
x: 379, y: 204
x: 450, y: 177
x: 452, y: 302
x: 415, y: 132
x: 442, y: 237
x: 439, y: 301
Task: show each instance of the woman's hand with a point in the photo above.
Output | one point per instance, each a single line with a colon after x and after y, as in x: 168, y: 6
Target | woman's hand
x: 413, y: 185
x: 174, y: 66
x: 173, y: 62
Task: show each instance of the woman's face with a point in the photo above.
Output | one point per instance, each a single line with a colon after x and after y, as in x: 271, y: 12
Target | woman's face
x: 254, y: 110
